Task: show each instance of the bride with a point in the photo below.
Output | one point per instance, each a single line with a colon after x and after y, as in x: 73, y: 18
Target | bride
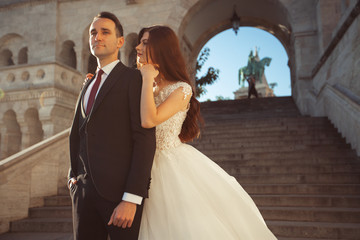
x: 191, y: 198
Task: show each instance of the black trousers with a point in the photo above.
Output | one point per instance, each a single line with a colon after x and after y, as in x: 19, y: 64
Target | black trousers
x: 252, y: 91
x: 91, y: 213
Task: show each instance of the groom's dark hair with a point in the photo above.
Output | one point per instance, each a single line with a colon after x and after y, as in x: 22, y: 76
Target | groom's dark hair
x: 112, y: 17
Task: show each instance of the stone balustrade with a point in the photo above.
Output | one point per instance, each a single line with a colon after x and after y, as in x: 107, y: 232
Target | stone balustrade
x: 30, y: 175
x: 36, y: 102
x: 20, y: 77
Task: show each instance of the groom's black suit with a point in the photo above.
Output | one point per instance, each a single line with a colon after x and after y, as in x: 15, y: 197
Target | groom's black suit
x: 110, y: 152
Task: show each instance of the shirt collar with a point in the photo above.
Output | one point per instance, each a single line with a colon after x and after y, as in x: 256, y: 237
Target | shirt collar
x: 108, y: 68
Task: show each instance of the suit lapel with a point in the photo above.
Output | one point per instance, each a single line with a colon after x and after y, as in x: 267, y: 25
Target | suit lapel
x: 81, y: 99
x: 114, y: 76
x: 79, y: 102
x: 79, y: 105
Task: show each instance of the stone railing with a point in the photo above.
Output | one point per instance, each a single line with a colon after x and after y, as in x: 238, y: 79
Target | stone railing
x: 342, y: 107
x: 40, y: 76
x: 28, y: 176
x: 333, y: 90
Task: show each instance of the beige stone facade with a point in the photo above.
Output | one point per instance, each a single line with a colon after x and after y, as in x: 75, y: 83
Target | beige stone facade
x: 44, y: 56
x: 44, y: 53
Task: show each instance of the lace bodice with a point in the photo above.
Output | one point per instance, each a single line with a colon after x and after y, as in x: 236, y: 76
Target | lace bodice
x: 167, y: 133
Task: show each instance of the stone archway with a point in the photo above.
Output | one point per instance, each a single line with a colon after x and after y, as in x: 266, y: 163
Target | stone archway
x: 207, y: 18
x: 11, y: 142
x: 34, y: 132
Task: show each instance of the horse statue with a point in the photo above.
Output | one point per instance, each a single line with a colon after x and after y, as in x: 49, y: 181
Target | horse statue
x: 254, y: 68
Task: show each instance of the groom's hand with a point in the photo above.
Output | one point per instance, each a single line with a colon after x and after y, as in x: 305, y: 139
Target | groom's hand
x: 123, y: 215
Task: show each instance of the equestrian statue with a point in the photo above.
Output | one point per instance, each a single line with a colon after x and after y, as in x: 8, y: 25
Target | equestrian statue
x: 255, y: 68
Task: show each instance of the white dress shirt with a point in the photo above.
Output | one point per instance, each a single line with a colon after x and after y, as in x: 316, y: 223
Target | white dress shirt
x: 129, y: 197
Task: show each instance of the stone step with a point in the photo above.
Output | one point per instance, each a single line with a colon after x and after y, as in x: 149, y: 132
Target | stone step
x: 42, y: 225
x: 246, y: 115
x: 316, y: 230
x: 280, y: 120
x: 254, y: 109
x: 263, y: 125
x: 311, y: 214
x: 289, y: 161
x: 296, y: 169
x: 222, y: 128
x: 270, y: 142
x: 261, y: 109
x: 263, y: 104
x: 290, y: 178
x: 226, y: 107
x: 281, y: 200
x: 299, y: 150
x: 252, y: 156
x: 51, y: 212
x: 311, y: 189
x: 274, y: 120
x: 60, y: 200
x: 266, y: 136
x: 63, y: 191
x: 269, y: 100
x: 37, y: 236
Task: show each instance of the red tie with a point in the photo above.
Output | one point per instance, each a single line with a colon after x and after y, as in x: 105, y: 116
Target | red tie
x: 93, y: 92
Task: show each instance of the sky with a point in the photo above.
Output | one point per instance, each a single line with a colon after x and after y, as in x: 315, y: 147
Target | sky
x: 229, y: 53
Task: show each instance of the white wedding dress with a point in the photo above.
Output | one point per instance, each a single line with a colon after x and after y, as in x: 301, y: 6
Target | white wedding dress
x: 191, y: 197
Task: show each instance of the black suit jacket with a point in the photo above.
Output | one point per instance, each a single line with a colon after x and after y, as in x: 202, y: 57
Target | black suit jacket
x: 120, y: 152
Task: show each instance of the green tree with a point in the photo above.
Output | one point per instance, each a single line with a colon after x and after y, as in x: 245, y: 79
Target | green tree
x: 273, y: 85
x: 209, y: 78
x: 221, y: 98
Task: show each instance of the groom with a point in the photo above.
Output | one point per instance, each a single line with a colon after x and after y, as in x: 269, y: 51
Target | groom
x: 111, y: 154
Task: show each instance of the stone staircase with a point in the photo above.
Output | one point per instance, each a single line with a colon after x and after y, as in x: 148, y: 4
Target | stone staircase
x: 51, y: 222
x: 302, y: 175
x: 300, y: 172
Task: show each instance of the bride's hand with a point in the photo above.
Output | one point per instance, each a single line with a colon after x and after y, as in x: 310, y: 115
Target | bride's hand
x: 148, y: 71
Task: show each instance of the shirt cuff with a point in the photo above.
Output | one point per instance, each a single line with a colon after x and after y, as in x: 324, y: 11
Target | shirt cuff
x: 129, y: 197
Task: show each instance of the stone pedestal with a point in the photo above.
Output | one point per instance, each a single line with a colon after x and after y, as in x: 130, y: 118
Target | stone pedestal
x: 262, y: 89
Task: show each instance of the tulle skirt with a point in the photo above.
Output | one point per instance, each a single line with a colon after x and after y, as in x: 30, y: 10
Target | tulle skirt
x: 192, y: 198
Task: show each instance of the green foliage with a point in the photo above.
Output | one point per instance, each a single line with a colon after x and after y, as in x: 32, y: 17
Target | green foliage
x: 273, y: 85
x: 209, y: 78
x: 221, y: 98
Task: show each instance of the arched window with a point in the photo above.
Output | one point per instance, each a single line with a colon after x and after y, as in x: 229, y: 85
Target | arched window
x: 12, y: 138
x: 9, y: 44
x: 35, y: 132
x: 68, y: 54
x: 6, y: 58
x: 23, y: 56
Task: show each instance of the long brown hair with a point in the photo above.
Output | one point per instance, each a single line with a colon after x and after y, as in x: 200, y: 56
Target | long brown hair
x: 163, y: 49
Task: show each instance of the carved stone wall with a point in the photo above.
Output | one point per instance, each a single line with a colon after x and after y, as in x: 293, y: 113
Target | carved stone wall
x: 37, y: 101
x: 44, y: 50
